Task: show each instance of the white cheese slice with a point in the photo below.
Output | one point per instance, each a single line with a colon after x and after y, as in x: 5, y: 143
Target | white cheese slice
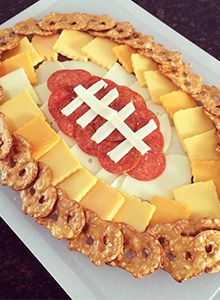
x: 158, y: 109
x: 87, y: 66
x: 143, y: 91
x: 166, y: 130
x: 119, y: 75
x: 91, y: 163
x: 46, y: 69
x: 15, y: 83
x: 43, y: 92
x: 106, y: 176
x: 69, y: 141
x: 175, y: 146
x: 117, y: 183
x: 49, y: 118
x: 176, y: 174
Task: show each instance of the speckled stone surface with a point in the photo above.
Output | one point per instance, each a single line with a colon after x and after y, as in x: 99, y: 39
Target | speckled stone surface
x: 21, y: 275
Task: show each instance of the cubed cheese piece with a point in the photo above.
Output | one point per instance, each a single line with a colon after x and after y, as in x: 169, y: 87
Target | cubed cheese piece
x: 24, y: 46
x: 191, y: 121
x: 176, y: 101
x: 46, y: 69
x: 169, y: 210
x: 17, y: 82
x: 22, y: 60
x: 103, y: 200
x: 135, y: 212
x: 44, y: 46
x: 20, y: 110
x: 106, y: 176
x: 123, y: 54
x: 118, y: 74
x: 61, y: 161
x: 77, y: 185
x: 41, y: 136
x: 87, y: 66
x: 175, y: 146
x: 43, y: 92
x: 141, y: 64
x: 99, y: 50
x: 143, y: 91
x: 45, y: 110
x: 203, y: 170
x: 158, y: 85
x: 71, y: 42
x: 202, y: 146
x: 202, y: 197
x: 68, y: 140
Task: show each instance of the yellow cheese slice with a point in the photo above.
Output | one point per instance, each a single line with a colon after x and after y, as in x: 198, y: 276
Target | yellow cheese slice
x: 141, y: 64
x: 40, y: 135
x: 203, y: 170
x: 202, y: 146
x: 24, y: 46
x: 135, y: 212
x: 20, y: 110
x: 103, y: 200
x: 169, y: 210
x: 70, y: 44
x: 100, y: 51
x: 158, y: 85
x: 21, y: 60
x: 176, y: 101
x: 44, y: 46
x: 202, y: 197
x: 61, y: 161
x: 78, y: 184
x: 123, y: 54
x: 191, y: 121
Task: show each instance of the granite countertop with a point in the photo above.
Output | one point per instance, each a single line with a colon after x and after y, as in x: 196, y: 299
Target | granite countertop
x: 21, y: 275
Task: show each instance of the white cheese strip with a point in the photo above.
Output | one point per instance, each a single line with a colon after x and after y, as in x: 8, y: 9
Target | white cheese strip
x: 166, y: 130
x: 119, y: 75
x: 124, y: 147
x: 112, y: 116
x: 90, y: 115
x: 161, y: 186
x: 69, y: 141
x: 43, y: 92
x: 46, y: 69
x: 117, y: 183
x: 143, y: 91
x: 175, y: 146
x: 106, y: 176
x: 15, y: 83
x: 87, y: 66
x: 49, y: 118
x: 107, y: 128
x: 73, y: 105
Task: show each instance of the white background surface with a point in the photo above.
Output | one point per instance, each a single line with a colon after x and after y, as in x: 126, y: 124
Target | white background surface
x: 73, y: 271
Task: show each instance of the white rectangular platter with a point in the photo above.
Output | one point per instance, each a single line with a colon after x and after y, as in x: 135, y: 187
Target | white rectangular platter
x: 73, y: 271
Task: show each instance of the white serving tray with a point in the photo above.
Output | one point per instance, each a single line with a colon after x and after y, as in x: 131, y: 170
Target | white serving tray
x: 73, y: 271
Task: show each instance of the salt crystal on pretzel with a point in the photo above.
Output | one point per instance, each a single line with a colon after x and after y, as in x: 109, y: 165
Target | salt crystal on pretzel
x: 100, y: 23
x: 8, y: 39
x: 29, y: 27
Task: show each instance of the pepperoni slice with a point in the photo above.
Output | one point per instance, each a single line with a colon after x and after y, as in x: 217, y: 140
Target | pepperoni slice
x: 151, y: 166
x: 64, y: 78
x: 83, y: 138
x: 128, y: 162
x: 155, y: 140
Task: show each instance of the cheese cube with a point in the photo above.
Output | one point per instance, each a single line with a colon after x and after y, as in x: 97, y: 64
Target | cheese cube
x: 202, y: 146
x: 61, y: 161
x: 24, y: 46
x: 123, y: 54
x: 99, y: 50
x: 20, y: 110
x: 21, y: 60
x: 17, y: 82
x: 118, y: 74
x: 71, y: 42
x: 46, y: 69
x: 202, y: 197
x: 40, y: 135
x: 177, y: 100
x: 103, y: 200
x: 191, y: 121
x: 45, y: 110
x: 44, y: 46
x: 135, y: 212
x: 203, y: 170
x: 168, y: 210
x: 77, y: 185
x: 141, y: 64
x: 158, y: 85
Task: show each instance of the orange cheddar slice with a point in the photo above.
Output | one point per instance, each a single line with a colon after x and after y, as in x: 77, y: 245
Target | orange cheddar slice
x: 135, y: 212
x: 61, y: 161
x: 168, y: 210
x: 203, y: 170
x: 41, y: 136
x: 21, y: 60
x: 123, y: 54
x: 44, y: 46
x: 20, y: 110
x: 77, y: 185
x: 176, y: 101
x: 103, y: 200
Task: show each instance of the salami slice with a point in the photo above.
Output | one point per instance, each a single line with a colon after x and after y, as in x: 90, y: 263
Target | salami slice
x: 83, y: 138
x: 128, y: 162
x: 151, y: 166
x: 155, y: 140
x: 64, y: 78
